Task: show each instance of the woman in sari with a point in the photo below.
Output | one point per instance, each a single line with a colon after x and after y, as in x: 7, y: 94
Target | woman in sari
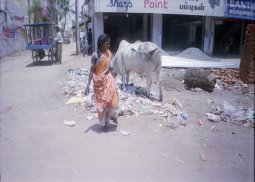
x: 105, y: 91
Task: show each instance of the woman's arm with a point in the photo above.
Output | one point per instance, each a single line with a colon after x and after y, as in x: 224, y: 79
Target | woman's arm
x: 91, y: 72
x: 111, y: 69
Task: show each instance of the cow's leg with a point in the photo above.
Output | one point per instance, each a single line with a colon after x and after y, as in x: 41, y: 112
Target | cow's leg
x: 158, y: 70
x: 123, y: 72
x: 123, y: 81
x: 160, y: 91
x: 127, y: 78
x: 148, y: 84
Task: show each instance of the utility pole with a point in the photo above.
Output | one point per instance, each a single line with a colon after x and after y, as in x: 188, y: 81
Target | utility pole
x: 77, y: 26
x: 28, y: 4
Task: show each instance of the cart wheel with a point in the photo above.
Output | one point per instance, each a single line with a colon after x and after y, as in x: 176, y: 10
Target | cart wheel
x: 36, y: 57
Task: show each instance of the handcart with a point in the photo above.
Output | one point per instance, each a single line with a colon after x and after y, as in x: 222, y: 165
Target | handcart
x: 39, y: 40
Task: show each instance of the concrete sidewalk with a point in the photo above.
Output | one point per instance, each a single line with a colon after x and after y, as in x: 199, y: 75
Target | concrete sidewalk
x: 178, y: 62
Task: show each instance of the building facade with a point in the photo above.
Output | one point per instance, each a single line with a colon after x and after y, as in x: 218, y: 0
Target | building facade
x: 173, y: 24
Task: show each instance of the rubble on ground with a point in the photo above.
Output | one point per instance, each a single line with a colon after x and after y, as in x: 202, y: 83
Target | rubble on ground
x: 228, y: 78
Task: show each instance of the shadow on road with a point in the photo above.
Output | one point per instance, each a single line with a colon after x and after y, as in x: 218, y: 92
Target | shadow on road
x: 100, y: 129
x: 40, y: 63
x: 74, y: 54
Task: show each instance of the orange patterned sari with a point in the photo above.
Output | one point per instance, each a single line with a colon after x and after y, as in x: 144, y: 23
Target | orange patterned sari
x: 106, y: 93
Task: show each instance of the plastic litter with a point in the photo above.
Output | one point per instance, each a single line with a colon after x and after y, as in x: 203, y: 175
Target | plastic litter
x: 90, y: 117
x: 249, y: 114
x: 124, y: 132
x: 213, y: 117
x: 213, y: 128
x: 76, y: 100
x: 200, y: 122
x: 209, y: 101
x: 229, y: 109
x: 184, y: 116
x: 176, y: 102
x: 203, y: 156
x: 172, y: 125
x: 238, y: 113
x: 218, y: 110
x: 69, y: 123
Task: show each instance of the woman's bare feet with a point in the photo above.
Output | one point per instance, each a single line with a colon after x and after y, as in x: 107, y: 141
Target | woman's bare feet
x: 114, y: 120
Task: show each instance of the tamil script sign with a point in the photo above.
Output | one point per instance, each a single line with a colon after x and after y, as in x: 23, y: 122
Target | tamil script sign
x: 186, y: 7
x: 244, y: 9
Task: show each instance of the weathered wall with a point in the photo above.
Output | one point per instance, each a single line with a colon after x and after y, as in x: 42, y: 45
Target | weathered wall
x: 12, y: 36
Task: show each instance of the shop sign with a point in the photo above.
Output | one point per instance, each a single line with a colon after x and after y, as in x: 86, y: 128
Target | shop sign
x: 185, y: 7
x: 244, y: 9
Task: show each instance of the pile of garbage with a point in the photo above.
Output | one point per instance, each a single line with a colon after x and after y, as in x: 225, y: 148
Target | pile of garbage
x: 76, y: 81
x: 232, y: 114
x: 132, y: 102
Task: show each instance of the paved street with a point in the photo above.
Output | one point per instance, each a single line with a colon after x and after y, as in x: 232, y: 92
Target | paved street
x: 37, y: 147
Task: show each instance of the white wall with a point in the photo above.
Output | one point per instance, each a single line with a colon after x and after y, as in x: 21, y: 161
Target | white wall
x: 98, y: 27
x: 157, y: 29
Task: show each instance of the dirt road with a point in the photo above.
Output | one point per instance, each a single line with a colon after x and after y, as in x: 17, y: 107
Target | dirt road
x: 37, y: 147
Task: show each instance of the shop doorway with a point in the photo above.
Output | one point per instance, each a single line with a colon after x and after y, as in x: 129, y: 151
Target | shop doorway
x: 228, y: 37
x: 181, y: 32
x: 129, y: 27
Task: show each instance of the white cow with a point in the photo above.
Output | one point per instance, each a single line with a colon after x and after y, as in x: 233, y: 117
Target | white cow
x: 138, y: 57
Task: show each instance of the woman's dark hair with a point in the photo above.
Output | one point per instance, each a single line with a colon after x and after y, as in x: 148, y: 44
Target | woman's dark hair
x: 102, y: 39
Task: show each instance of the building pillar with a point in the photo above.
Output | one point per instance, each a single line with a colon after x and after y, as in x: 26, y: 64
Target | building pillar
x: 145, y: 27
x: 98, y: 26
x: 157, y: 22
x: 209, y: 35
